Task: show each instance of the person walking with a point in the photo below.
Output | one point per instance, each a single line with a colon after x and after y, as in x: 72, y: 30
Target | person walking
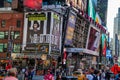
x: 12, y: 74
x: 48, y: 76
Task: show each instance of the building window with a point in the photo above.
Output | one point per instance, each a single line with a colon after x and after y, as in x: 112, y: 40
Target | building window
x: 1, y: 47
x: 5, y: 47
x: 12, y: 35
x: 6, y: 35
x: 2, y: 35
x: 17, y: 35
x: 3, y: 23
x: 18, y: 23
x: 16, y: 48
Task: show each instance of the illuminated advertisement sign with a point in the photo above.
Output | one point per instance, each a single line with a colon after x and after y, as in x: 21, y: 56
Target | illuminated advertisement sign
x: 93, y: 39
x: 91, y: 8
x: 40, y: 30
x: 33, y: 4
x: 79, y: 4
x: 70, y: 29
x: 56, y: 31
x: 104, y: 44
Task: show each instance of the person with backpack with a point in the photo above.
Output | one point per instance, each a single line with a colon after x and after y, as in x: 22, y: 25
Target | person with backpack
x: 96, y: 75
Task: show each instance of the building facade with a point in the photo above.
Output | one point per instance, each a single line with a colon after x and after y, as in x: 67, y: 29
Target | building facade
x: 11, y: 33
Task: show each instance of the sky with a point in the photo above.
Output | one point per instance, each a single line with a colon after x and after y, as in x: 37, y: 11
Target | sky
x: 111, y: 14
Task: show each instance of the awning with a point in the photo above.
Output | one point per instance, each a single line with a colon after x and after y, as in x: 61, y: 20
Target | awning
x: 78, y: 50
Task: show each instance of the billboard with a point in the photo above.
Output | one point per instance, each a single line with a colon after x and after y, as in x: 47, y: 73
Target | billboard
x: 93, y: 40
x: 79, y: 4
x: 33, y: 4
x: 104, y: 44
x: 40, y: 30
x: 56, y: 31
x: 70, y: 29
x: 91, y: 9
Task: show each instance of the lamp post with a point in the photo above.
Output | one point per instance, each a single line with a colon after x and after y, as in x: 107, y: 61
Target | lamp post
x: 10, y: 43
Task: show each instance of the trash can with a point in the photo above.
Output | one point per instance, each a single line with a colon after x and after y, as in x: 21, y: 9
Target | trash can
x: 69, y: 78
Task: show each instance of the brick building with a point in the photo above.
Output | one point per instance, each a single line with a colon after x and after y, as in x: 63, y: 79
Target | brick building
x: 11, y: 32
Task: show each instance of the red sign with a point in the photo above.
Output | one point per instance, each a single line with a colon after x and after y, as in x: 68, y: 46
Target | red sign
x: 33, y: 4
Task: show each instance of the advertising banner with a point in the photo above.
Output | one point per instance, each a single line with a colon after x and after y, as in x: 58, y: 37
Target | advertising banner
x: 93, y: 39
x: 104, y: 44
x: 79, y: 4
x: 41, y: 31
x: 92, y: 8
x: 70, y: 28
x: 56, y: 31
x: 34, y: 30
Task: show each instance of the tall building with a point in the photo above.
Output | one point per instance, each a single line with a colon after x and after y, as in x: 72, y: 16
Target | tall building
x: 102, y: 10
x: 116, y: 34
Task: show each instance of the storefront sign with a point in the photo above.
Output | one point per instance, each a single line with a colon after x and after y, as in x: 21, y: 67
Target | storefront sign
x: 74, y: 50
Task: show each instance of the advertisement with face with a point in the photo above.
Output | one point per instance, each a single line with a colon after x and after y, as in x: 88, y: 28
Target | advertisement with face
x: 33, y: 29
x: 70, y: 29
x: 93, y: 39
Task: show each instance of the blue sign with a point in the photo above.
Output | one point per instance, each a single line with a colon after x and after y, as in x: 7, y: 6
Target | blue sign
x: 108, y: 53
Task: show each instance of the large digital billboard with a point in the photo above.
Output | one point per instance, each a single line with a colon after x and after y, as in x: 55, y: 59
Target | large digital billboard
x: 93, y: 40
x: 79, y: 4
x: 91, y: 9
x: 33, y: 4
x: 42, y: 29
x: 70, y: 29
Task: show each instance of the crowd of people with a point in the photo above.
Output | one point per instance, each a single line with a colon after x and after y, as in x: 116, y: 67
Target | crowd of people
x: 87, y: 74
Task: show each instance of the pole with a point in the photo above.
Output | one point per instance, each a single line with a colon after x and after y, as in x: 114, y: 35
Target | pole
x: 10, y: 43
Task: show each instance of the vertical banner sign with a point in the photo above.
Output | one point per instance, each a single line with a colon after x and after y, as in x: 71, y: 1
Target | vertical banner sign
x: 56, y: 32
x: 70, y: 29
x: 104, y: 44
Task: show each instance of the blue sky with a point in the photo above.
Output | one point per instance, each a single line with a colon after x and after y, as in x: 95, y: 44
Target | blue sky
x: 111, y: 14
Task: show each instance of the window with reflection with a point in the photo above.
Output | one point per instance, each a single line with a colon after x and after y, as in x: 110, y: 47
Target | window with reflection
x: 17, y: 35
x: 18, y: 23
x: 2, y: 35
x: 3, y: 23
x: 1, y: 47
x: 6, y: 35
x: 5, y: 47
x: 16, y: 48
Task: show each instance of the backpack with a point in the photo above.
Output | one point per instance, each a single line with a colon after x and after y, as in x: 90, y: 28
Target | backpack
x: 118, y: 77
x: 95, y: 77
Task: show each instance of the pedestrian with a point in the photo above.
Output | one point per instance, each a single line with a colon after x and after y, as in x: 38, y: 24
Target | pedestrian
x: 88, y: 75
x: 103, y: 75
x: 12, y: 74
x: 59, y: 77
x: 48, y: 76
